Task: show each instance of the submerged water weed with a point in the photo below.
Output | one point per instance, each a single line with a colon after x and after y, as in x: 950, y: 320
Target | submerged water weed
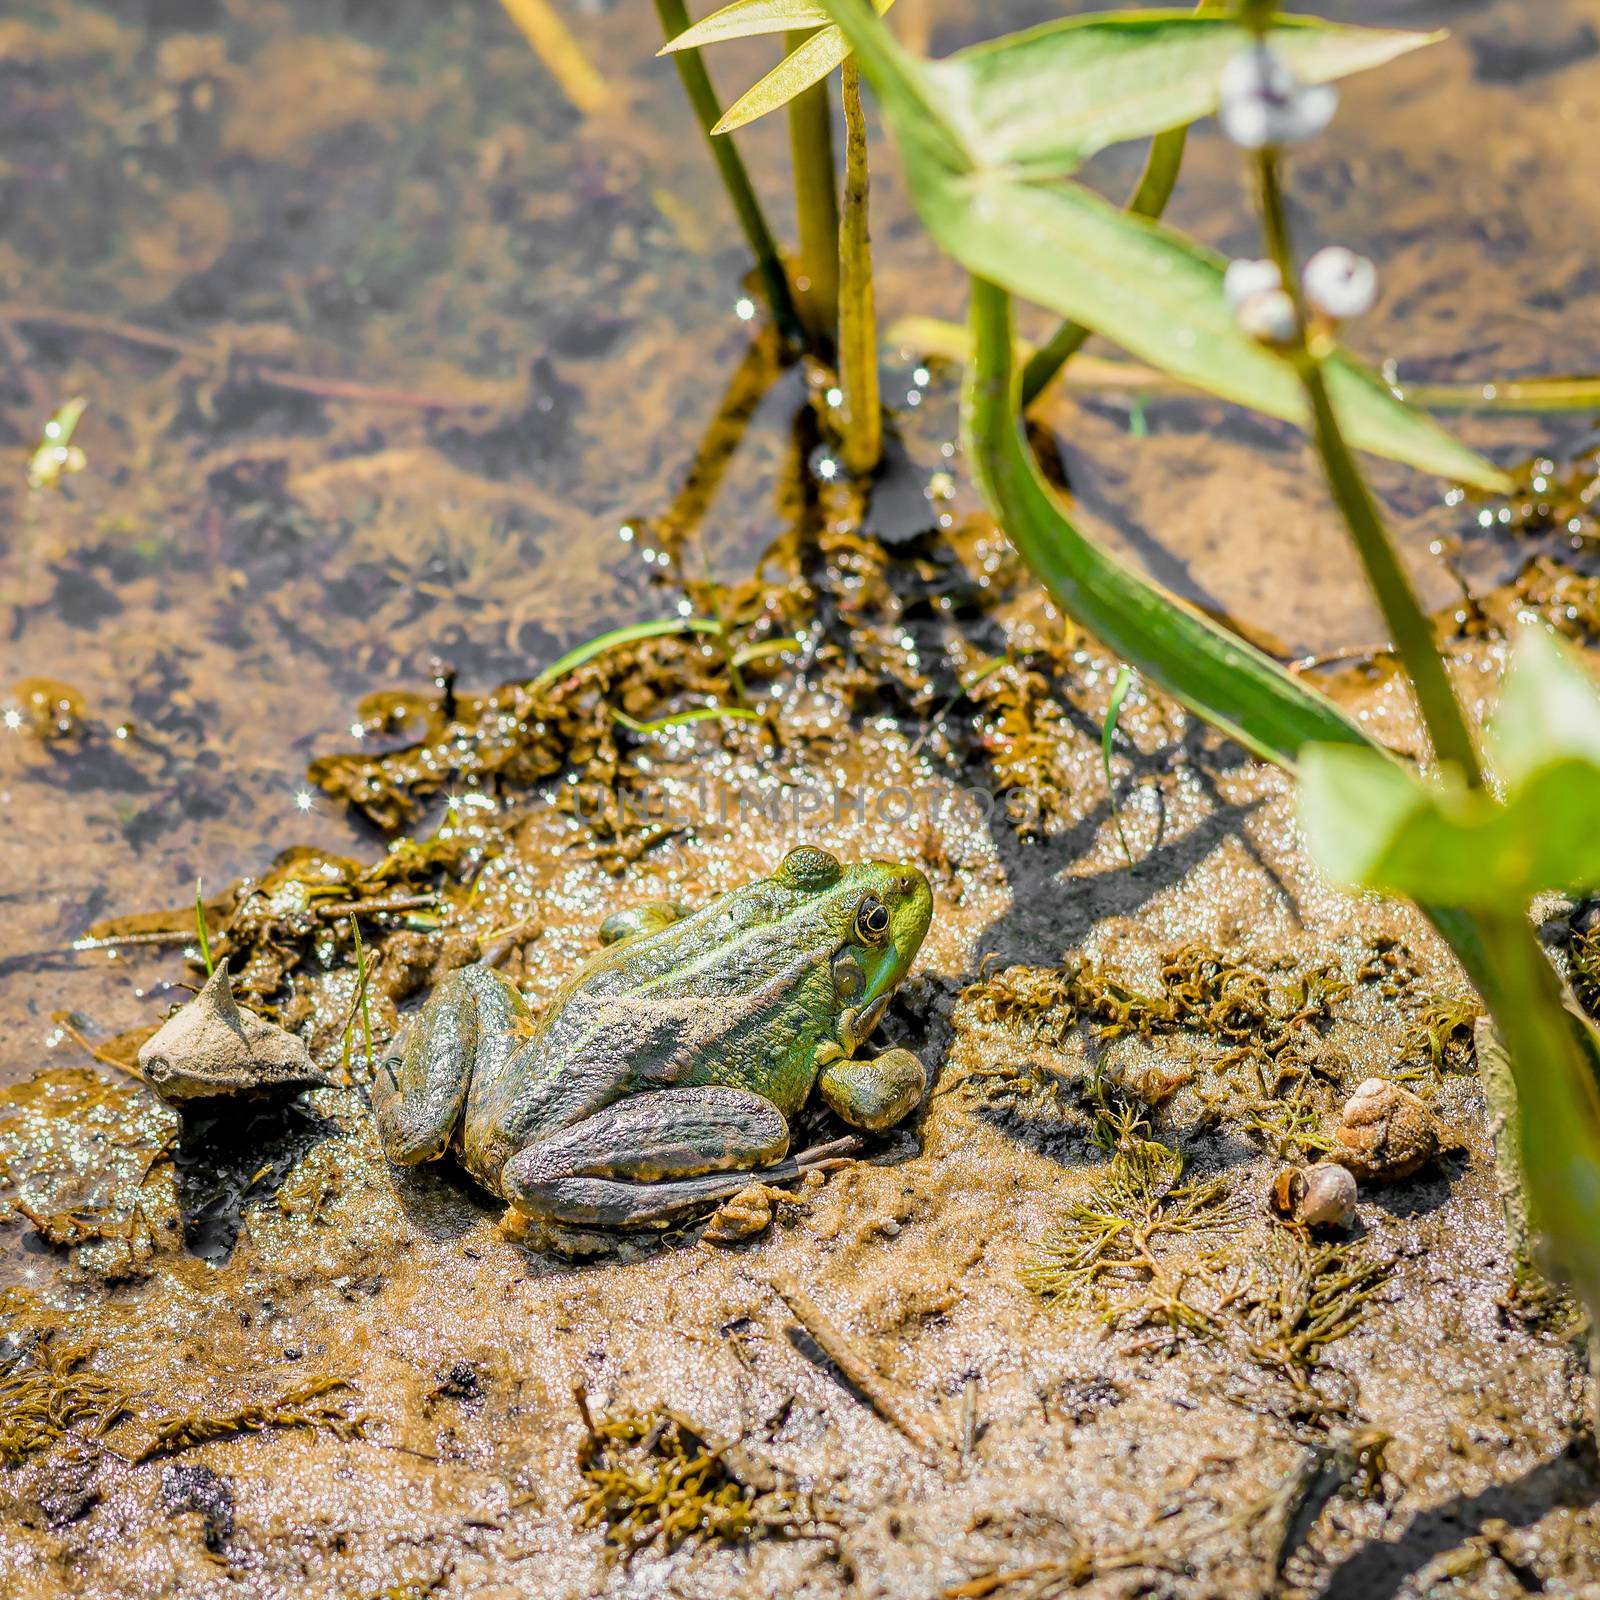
x: 1106, y: 1254
x: 307, y: 903
x: 322, y: 1404
x: 1029, y: 737
x: 652, y: 1476
x: 1282, y: 1310
x: 1389, y: 966
x: 45, y: 1391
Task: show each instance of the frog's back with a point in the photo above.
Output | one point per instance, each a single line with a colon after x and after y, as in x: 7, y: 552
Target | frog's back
x: 738, y: 993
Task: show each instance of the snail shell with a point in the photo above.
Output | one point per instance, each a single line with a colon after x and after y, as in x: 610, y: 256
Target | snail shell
x: 1387, y: 1132
x: 1323, y: 1196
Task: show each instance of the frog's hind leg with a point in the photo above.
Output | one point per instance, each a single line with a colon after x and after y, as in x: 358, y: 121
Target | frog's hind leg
x: 418, y: 1091
x: 649, y: 1158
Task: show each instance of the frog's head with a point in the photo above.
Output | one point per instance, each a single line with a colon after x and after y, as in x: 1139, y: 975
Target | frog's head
x: 878, y: 913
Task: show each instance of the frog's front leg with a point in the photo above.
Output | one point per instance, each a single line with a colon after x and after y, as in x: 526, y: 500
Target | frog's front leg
x: 873, y: 1094
x: 469, y: 1022
x: 649, y: 1157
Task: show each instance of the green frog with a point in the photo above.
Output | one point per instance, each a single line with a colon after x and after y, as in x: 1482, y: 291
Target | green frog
x: 663, y: 1075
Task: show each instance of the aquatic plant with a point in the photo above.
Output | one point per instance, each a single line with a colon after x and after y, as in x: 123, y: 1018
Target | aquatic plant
x: 652, y: 1476
x: 988, y: 139
x: 1104, y: 1253
x: 45, y: 1391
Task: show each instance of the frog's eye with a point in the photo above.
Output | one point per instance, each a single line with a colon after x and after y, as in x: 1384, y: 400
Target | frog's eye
x: 872, y: 920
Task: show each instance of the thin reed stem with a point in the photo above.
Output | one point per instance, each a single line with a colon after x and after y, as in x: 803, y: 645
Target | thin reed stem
x: 816, y: 200
x: 858, y: 321
x: 741, y: 193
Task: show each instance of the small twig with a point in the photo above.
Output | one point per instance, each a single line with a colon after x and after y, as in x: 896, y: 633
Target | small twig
x: 216, y: 354
x: 79, y: 1039
x: 371, y: 908
x: 580, y: 1396
x: 150, y: 936
x: 969, y: 1418
x: 858, y: 1371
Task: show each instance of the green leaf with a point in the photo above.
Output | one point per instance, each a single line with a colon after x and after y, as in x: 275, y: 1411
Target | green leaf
x: 1450, y: 846
x: 1140, y: 284
x: 1049, y: 98
x: 1370, y: 824
x: 1548, y: 709
x: 808, y: 63
x: 745, y: 19
x: 1353, y: 803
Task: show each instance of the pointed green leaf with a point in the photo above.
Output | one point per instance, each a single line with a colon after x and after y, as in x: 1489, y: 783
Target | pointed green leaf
x: 1048, y: 98
x: 745, y: 19
x: 1140, y: 284
x: 808, y: 63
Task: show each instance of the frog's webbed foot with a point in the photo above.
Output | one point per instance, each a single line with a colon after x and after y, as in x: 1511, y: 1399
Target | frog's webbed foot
x: 648, y: 916
x: 873, y: 1094
x: 649, y: 1158
x: 419, y: 1088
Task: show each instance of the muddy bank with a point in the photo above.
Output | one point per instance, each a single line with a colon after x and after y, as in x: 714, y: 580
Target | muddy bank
x: 241, y: 1354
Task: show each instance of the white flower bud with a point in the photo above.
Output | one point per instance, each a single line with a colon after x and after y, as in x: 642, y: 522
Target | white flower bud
x: 1262, y: 102
x: 1268, y: 315
x: 1339, y: 283
x: 1245, y: 278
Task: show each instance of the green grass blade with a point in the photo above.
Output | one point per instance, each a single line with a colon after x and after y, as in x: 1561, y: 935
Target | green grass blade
x: 200, y: 926
x: 1107, y: 732
x: 1533, y: 396
x: 660, y: 628
x: 681, y: 718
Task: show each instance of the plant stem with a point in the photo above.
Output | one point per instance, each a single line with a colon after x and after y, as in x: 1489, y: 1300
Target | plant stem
x: 858, y: 323
x: 1409, y: 629
x: 1149, y: 199
x: 816, y: 202
x: 1556, y: 1088
x: 703, y: 98
x: 562, y: 55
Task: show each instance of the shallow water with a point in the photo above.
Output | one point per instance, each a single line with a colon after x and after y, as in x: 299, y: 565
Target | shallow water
x: 397, y: 196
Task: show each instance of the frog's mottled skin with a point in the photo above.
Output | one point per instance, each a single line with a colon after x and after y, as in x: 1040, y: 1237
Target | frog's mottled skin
x: 665, y: 1071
